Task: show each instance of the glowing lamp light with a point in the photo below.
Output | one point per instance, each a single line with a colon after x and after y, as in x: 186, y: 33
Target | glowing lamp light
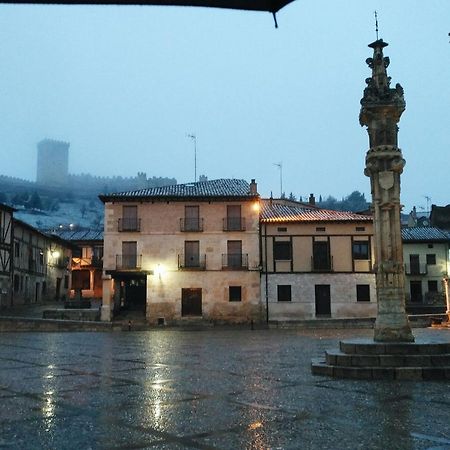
x: 159, y: 270
x: 256, y: 206
x: 55, y: 253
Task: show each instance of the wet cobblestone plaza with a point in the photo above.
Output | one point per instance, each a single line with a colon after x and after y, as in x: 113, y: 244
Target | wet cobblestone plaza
x: 216, y: 389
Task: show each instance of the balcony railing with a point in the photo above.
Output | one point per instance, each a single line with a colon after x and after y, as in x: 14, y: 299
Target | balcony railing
x: 234, y: 224
x: 235, y: 261
x: 192, y: 262
x: 416, y: 269
x: 128, y: 262
x: 321, y: 264
x: 129, y: 224
x: 191, y: 224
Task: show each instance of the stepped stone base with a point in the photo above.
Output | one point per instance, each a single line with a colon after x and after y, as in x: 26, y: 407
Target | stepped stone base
x: 370, y: 360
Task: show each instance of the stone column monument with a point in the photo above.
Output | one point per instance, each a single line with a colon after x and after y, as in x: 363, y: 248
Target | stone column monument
x: 381, y: 108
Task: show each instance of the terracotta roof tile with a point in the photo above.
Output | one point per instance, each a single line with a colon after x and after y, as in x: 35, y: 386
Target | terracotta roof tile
x: 210, y: 188
x: 274, y: 212
x: 425, y: 234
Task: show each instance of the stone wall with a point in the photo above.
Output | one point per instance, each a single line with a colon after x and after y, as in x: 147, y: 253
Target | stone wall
x: 302, y: 306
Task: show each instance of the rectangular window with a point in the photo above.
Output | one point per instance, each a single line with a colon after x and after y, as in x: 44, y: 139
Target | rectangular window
x: 360, y: 228
x: 16, y: 283
x: 431, y: 259
x: 282, y: 250
x: 191, y: 218
x: 320, y: 229
x: 235, y: 293
x: 234, y: 220
x: 97, y: 253
x: 129, y: 255
x: 129, y: 220
x: 361, y: 250
x: 234, y: 254
x: 16, y: 249
x: 362, y: 293
x: 284, y: 293
x: 432, y: 286
x: 321, y: 256
x: 281, y: 229
x: 192, y: 253
x: 415, y: 289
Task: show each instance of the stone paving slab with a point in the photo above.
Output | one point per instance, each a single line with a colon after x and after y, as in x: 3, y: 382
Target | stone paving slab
x: 215, y: 389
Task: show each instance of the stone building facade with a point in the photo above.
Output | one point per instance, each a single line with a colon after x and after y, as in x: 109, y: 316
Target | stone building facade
x: 316, y: 263
x: 6, y: 240
x: 427, y: 265
x: 87, y: 262
x: 41, y: 266
x: 184, y: 252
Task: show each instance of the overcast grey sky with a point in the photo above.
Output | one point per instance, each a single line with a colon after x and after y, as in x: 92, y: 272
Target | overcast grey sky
x: 124, y: 85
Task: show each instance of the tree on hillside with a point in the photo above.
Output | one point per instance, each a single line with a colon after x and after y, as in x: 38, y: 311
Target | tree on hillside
x: 356, y: 201
x: 35, y: 201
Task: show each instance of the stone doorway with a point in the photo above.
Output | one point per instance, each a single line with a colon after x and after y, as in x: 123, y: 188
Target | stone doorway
x: 323, y: 300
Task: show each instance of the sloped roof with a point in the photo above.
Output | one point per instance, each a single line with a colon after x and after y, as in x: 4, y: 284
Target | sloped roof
x: 440, y: 216
x: 79, y: 235
x: 222, y: 188
x: 425, y: 234
x: 275, y: 212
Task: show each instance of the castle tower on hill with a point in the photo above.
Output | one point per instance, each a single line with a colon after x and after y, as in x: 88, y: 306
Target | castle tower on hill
x: 381, y: 108
x: 52, y: 162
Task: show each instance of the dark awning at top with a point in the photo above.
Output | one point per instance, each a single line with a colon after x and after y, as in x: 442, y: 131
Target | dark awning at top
x: 253, y: 5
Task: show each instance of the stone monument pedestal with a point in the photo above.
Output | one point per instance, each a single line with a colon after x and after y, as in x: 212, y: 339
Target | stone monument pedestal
x: 370, y: 360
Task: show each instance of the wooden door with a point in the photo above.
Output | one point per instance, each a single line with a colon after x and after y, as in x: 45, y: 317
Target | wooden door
x: 323, y: 300
x: 191, y: 302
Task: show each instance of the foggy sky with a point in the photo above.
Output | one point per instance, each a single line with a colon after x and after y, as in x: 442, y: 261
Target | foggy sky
x: 124, y: 85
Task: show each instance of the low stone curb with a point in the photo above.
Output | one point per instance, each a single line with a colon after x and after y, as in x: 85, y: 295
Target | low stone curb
x: 20, y: 324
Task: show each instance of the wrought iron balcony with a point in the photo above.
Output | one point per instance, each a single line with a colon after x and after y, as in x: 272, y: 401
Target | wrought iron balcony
x: 191, y: 224
x: 235, y: 261
x: 416, y: 269
x: 129, y: 224
x: 234, y: 224
x: 192, y: 262
x: 128, y: 262
x: 321, y: 264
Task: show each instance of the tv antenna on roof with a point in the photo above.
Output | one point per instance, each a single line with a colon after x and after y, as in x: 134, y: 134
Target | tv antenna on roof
x: 280, y: 166
x: 194, y: 138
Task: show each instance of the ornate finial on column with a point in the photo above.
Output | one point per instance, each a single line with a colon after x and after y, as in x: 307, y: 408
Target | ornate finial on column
x: 376, y: 23
x: 381, y: 108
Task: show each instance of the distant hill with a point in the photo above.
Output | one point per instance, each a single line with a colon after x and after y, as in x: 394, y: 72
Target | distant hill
x: 76, y: 203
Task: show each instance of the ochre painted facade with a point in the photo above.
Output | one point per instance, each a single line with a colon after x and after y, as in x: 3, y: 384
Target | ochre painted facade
x: 299, y: 285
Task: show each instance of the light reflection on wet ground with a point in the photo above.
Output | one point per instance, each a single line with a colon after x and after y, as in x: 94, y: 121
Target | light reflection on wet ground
x: 215, y: 389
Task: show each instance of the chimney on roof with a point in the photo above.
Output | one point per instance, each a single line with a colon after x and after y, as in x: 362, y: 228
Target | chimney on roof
x: 253, y: 187
x: 312, y: 199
